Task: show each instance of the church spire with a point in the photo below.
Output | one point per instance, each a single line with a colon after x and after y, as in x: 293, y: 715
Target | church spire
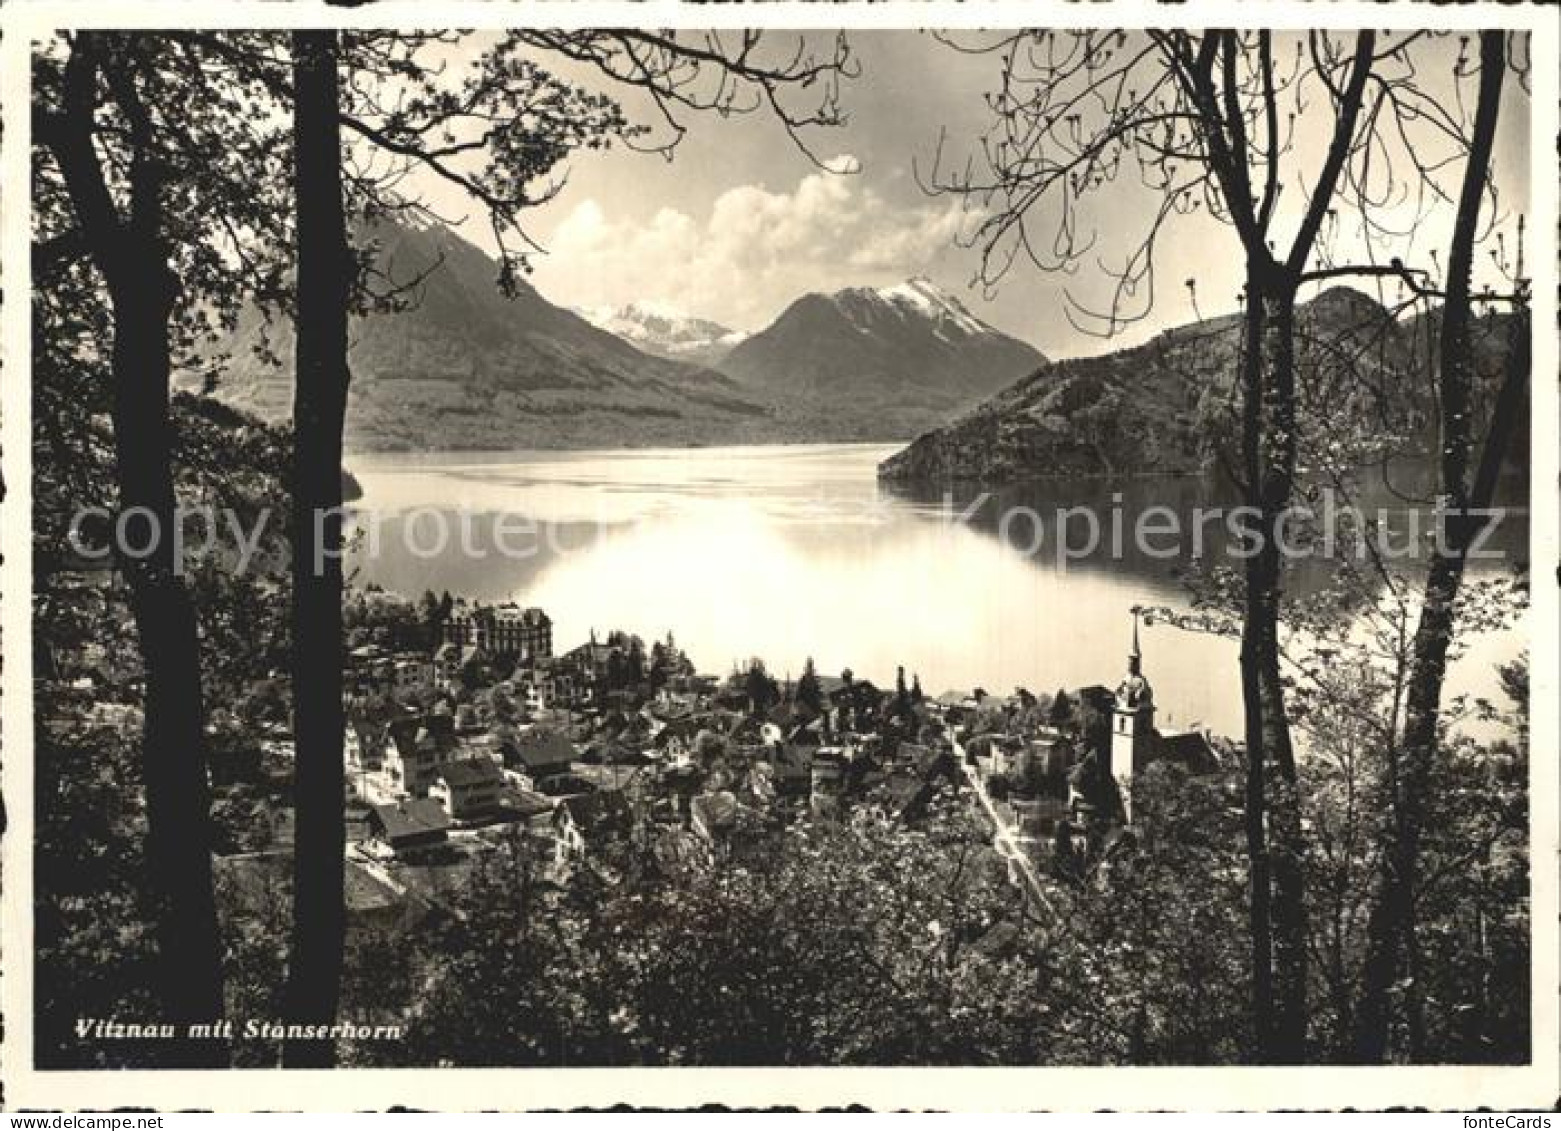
x: 1132, y: 732
x: 1134, y: 689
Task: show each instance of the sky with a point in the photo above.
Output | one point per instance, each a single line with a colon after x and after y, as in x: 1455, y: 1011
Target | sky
x: 740, y: 222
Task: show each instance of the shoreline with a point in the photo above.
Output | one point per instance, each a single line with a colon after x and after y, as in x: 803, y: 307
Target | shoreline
x: 380, y: 457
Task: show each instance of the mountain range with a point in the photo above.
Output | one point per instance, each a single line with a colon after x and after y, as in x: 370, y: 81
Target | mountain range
x: 877, y: 363
x: 467, y: 368
x: 463, y: 367
x: 666, y: 332
x: 1164, y: 407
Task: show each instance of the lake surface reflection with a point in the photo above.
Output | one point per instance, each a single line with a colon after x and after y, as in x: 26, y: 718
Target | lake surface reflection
x: 796, y: 551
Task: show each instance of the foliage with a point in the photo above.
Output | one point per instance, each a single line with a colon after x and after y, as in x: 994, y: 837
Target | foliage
x: 864, y: 942
x: 92, y: 913
x: 810, y: 692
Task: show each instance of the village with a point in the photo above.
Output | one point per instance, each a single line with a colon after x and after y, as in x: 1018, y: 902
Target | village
x: 611, y: 746
x: 613, y: 749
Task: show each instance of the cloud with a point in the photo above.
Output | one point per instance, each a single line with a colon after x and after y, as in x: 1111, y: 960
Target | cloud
x: 892, y: 248
x: 753, y: 253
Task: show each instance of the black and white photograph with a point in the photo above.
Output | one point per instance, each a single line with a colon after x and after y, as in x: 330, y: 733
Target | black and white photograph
x: 779, y: 537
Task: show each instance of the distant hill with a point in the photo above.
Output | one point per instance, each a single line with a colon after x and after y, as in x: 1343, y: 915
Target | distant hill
x: 877, y: 363
x: 467, y: 368
x: 1157, y: 407
x: 668, y: 333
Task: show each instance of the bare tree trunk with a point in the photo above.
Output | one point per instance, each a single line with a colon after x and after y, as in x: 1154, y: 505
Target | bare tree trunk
x: 143, y: 289
x: 1290, y: 979
x: 1260, y: 890
x: 1278, y: 918
x: 1391, y: 915
x: 319, y: 413
x: 178, y: 799
x: 1269, y: 448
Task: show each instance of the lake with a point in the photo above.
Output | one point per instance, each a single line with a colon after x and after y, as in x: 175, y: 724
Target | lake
x: 788, y: 552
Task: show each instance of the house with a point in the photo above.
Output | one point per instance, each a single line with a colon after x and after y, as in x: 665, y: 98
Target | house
x: 613, y: 752
x: 454, y: 662
x: 589, y: 663
x: 674, y: 742
x: 469, y: 788
x: 535, y: 688
x: 1036, y: 818
x: 407, y: 824
x: 728, y: 831
x: 533, y: 810
x: 1051, y: 752
x: 412, y: 674
x: 670, y: 704
x: 368, y: 733
x: 748, y: 738
x: 418, y: 747
x: 1191, y: 750
x: 505, y: 630
x: 712, y: 816
x: 523, y: 634
x: 855, y: 703
x: 1009, y: 756
x: 591, y: 820
x: 447, y: 661
x: 552, y: 685
x: 540, y: 753
x: 365, y: 667
x: 541, y: 684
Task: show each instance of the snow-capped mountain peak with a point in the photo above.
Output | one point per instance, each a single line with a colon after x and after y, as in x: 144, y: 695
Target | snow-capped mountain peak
x: 892, y: 360
x: 666, y: 331
x: 932, y: 301
x: 918, y: 299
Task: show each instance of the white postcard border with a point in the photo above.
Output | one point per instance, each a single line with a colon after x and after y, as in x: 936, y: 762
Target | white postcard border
x: 988, y: 1089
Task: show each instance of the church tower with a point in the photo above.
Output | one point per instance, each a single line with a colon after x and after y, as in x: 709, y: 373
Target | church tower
x: 1132, y: 724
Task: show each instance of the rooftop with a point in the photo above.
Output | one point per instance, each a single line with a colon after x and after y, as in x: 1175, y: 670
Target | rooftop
x: 410, y: 818
x: 471, y: 772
